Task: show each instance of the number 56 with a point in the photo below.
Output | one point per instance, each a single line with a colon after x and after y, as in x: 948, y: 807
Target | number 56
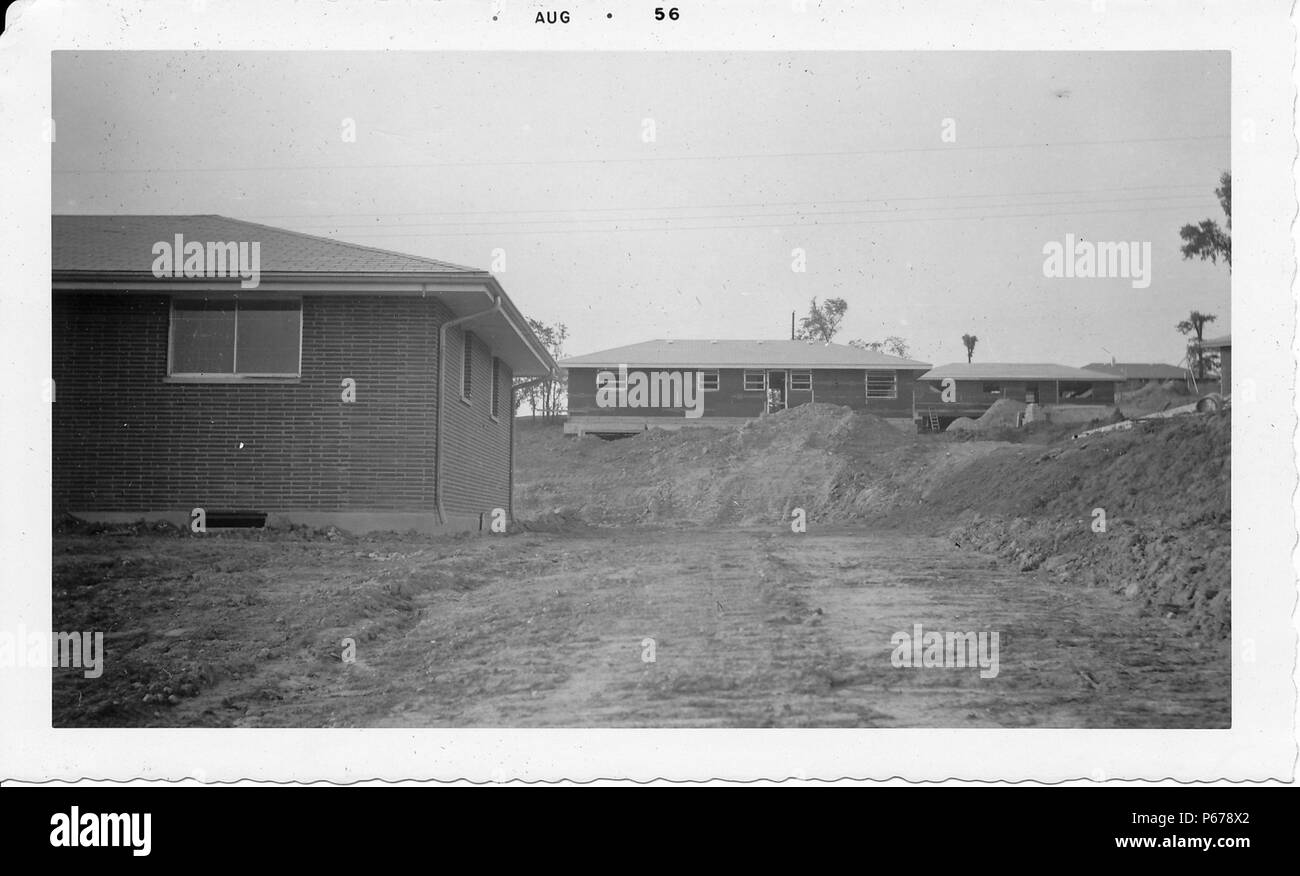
x: 659, y: 13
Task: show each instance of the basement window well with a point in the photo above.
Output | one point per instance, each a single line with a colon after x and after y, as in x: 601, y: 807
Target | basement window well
x: 235, y: 519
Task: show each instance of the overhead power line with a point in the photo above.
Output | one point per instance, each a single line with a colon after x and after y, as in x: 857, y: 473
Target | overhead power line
x: 645, y: 158
x: 891, y: 221
x: 734, y: 205
x: 1188, y: 202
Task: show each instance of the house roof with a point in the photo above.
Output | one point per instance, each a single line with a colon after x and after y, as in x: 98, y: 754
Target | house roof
x: 124, y: 243
x: 1015, y: 371
x: 1217, y: 343
x: 114, y: 253
x: 1139, y: 370
x: 676, y: 353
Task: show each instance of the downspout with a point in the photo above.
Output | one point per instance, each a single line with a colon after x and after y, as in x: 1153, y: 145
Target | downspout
x: 442, y: 394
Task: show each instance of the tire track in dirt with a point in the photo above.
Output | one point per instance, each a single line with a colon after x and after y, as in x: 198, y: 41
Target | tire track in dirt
x: 755, y: 629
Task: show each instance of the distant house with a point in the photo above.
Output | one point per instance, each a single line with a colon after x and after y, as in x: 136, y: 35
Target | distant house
x: 948, y: 392
x: 293, y: 378
x: 1223, y: 346
x: 675, y: 383
x: 1139, y: 374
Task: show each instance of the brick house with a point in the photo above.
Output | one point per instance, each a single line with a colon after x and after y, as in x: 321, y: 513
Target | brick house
x: 325, y: 383
x: 730, y: 382
x: 963, y: 389
x: 1139, y: 374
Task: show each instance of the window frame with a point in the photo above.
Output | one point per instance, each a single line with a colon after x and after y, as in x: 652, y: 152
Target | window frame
x: 796, y: 376
x: 495, y: 395
x: 762, y: 379
x: 893, y: 385
x: 704, y: 380
x: 997, y: 389
x: 234, y: 376
x: 467, y: 367
x: 1069, y: 390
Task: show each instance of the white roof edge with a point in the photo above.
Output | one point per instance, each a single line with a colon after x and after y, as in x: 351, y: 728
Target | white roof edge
x: 819, y: 366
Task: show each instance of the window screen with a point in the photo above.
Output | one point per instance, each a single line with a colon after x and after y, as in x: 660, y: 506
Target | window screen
x: 882, y: 384
x: 226, y: 337
x: 466, y: 366
x: 496, y: 386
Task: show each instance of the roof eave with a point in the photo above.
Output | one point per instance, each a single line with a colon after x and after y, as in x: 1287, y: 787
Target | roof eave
x: 536, y: 363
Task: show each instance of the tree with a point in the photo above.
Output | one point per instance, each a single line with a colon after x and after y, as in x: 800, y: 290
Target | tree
x: 1207, y: 240
x: 822, y: 321
x: 893, y: 345
x: 1195, y: 324
x: 545, y: 395
x: 969, y: 341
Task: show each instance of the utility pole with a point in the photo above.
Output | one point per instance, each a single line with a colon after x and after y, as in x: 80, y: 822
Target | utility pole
x: 792, y: 325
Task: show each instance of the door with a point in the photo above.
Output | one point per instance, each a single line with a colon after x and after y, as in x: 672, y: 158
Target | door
x: 1031, y: 393
x: 777, y: 390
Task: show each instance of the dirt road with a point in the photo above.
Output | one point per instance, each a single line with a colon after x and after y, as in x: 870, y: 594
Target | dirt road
x: 750, y: 628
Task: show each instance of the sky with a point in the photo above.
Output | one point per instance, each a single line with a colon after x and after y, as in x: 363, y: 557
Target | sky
x: 633, y: 196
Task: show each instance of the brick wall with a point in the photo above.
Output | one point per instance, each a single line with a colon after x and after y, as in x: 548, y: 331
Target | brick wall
x: 127, y: 440
x: 476, y: 470
x: 836, y: 386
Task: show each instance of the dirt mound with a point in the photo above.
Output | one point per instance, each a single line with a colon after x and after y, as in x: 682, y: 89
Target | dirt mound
x: 962, y: 424
x: 1162, y: 489
x: 1146, y: 512
x: 817, y: 457
x: 1004, y: 412
x: 1155, y: 397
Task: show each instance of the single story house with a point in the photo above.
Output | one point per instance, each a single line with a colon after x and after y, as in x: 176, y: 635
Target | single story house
x: 1139, y: 374
x: 675, y: 383
x: 963, y: 389
x: 264, y: 375
x: 1223, y: 346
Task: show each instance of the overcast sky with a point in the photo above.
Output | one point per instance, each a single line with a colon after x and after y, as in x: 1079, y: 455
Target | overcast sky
x: 842, y: 155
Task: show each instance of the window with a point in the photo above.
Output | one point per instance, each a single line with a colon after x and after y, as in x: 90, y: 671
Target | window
x: 754, y: 381
x: 466, y: 366
x: 709, y: 380
x: 496, y: 386
x: 230, y: 337
x: 1075, y: 390
x: 992, y: 389
x: 801, y: 381
x: 882, y: 384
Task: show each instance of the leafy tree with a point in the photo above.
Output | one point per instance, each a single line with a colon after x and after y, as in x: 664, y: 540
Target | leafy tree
x: 1207, y: 240
x: 969, y: 341
x: 893, y: 345
x: 823, y: 320
x: 1195, y: 324
x: 545, y: 396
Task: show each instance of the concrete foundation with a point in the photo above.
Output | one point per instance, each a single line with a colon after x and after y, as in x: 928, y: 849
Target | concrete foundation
x: 356, y: 522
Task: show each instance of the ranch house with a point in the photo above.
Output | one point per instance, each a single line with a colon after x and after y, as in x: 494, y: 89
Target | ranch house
x: 1061, y: 393
x: 263, y: 375
x: 671, y: 384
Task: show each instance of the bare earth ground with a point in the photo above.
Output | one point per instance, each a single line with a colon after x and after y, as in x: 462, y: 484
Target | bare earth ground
x: 751, y: 628
x: 684, y: 539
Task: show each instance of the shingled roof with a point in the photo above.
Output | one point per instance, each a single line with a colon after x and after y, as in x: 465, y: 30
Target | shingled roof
x: 1139, y: 370
x: 1015, y: 371
x: 664, y: 353
x: 124, y: 244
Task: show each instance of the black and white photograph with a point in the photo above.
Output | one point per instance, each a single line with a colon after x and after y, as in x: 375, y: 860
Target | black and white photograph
x: 696, y: 389
x: 912, y: 417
